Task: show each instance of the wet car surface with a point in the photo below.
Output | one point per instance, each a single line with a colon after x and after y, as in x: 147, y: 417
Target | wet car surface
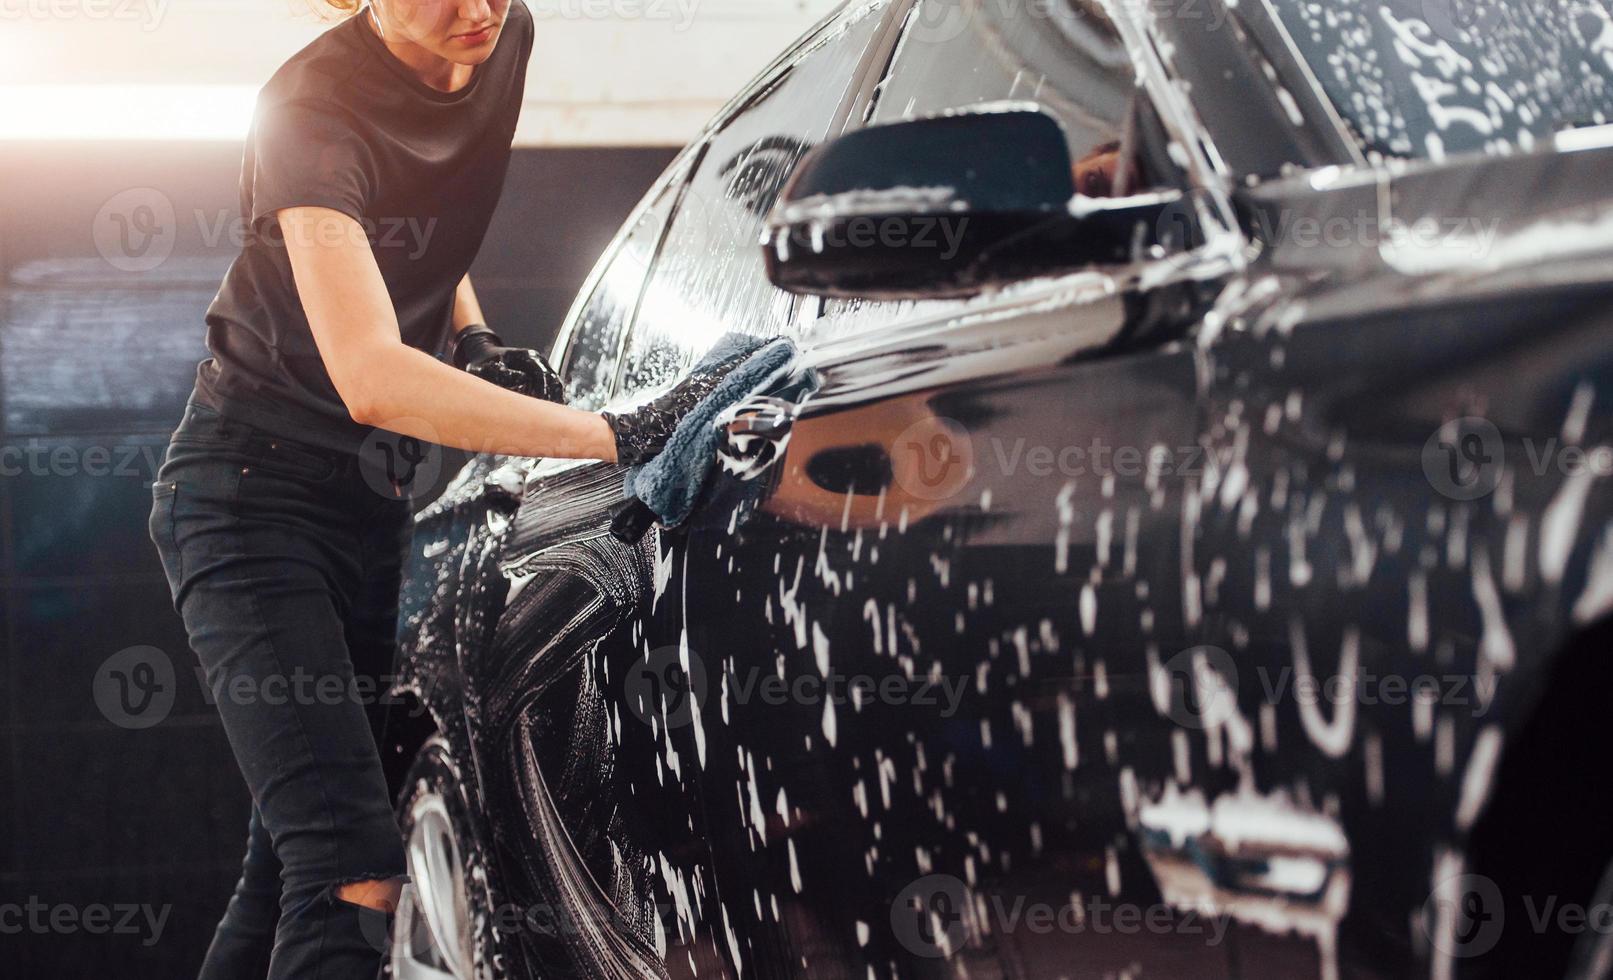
x: 1235, y: 608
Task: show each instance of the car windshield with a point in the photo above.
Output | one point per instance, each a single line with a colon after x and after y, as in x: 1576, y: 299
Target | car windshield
x: 1427, y: 78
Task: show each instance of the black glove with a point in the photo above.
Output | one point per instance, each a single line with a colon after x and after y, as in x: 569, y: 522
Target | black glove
x: 642, y: 432
x: 479, y: 351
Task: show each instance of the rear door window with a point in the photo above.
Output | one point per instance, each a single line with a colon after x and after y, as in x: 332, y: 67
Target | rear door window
x: 1420, y: 78
x: 1062, y: 56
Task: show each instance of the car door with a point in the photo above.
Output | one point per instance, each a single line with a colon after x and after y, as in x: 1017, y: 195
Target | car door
x: 587, y: 759
x: 543, y: 588
x: 934, y: 643
x: 707, y: 280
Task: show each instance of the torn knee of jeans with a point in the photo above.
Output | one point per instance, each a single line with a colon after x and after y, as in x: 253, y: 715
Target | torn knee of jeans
x: 382, y: 897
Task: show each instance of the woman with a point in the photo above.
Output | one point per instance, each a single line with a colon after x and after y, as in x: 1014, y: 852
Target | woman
x: 376, y: 157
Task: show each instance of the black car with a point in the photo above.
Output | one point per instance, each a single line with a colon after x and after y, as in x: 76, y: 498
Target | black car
x: 1183, y: 548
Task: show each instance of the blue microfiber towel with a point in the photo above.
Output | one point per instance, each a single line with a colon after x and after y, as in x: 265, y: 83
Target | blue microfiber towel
x: 669, y: 484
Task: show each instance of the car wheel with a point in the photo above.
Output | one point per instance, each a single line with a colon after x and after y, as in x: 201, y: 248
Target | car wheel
x: 441, y: 930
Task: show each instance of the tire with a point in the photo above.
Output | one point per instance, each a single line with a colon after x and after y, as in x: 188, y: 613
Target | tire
x: 1593, y: 954
x: 441, y: 931
x: 1544, y: 835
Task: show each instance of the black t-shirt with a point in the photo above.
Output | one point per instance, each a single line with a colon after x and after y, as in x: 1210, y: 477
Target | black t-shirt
x: 345, y: 125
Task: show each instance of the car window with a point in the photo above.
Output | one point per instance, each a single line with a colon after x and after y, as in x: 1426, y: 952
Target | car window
x: 593, y: 355
x: 1062, y: 56
x: 709, y: 278
x: 1416, y: 78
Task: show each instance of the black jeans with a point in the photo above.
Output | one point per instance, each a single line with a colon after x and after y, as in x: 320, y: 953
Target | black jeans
x: 285, y: 565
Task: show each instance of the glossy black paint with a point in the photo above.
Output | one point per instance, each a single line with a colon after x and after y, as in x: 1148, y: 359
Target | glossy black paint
x: 1070, y: 560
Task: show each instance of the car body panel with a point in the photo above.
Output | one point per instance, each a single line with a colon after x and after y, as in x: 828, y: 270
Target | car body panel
x: 1014, y: 656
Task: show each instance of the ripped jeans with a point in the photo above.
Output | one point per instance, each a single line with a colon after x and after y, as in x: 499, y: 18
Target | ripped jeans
x: 285, y: 565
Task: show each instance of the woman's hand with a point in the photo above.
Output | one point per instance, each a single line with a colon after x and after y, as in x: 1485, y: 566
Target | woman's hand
x: 641, y: 433
x: 389, y: 385
x: 480, y: 351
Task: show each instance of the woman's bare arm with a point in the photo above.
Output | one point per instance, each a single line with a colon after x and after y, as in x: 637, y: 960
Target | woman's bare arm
x: 467, y: 308
x: 387, y: 384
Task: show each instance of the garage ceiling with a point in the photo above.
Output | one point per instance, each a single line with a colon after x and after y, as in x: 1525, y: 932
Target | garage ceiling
x: 604, y: 72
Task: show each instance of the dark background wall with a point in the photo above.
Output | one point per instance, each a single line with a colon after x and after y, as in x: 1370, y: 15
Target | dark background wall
x: 108, y: 823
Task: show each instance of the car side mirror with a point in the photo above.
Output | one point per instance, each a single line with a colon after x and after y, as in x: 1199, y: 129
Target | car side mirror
x: 949, y: 206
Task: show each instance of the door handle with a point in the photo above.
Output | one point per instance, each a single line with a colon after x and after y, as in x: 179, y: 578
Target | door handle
x: 758, y: 436
x: 752, y: 442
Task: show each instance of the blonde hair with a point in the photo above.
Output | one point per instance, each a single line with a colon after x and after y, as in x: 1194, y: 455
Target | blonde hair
x: 344, y: 7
